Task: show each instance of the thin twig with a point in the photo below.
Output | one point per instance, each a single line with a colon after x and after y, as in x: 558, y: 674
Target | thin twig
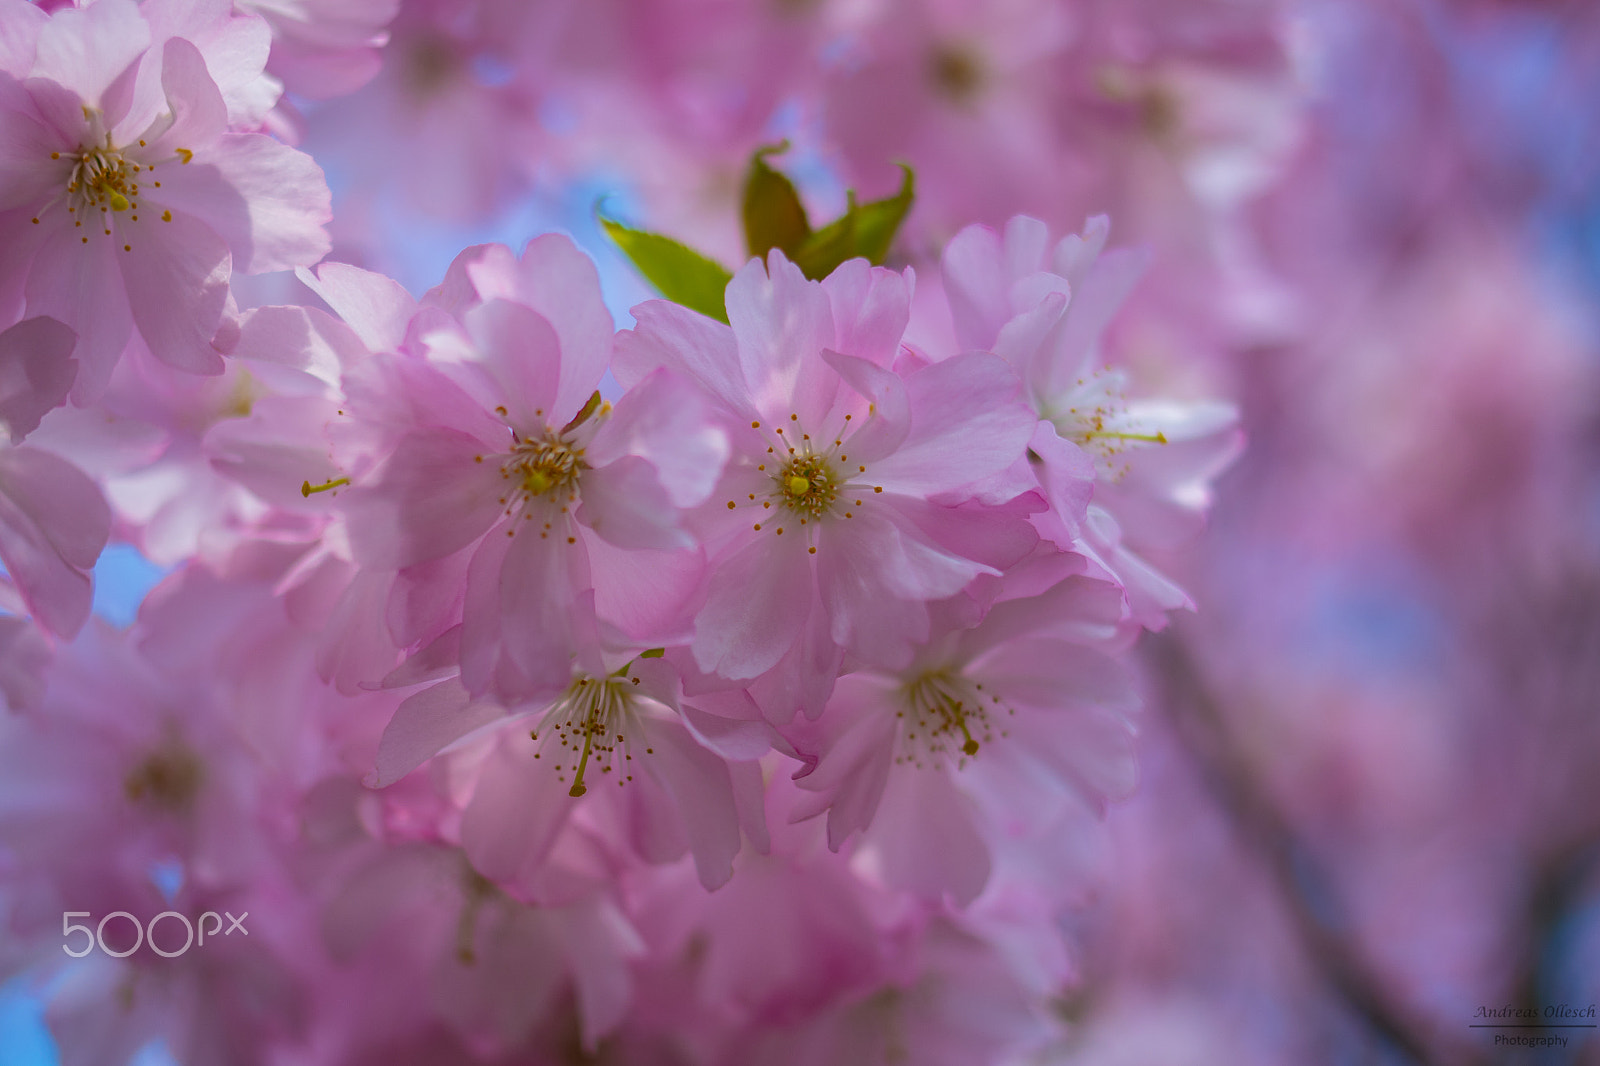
x: 1204, y: 729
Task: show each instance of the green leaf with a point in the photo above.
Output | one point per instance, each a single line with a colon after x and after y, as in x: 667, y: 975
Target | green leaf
x: 679, y: 273
x: 774, y: 217
x: 863, y: 230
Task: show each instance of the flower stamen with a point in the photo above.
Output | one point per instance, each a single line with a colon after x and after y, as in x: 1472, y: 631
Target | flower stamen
x: 589, y: 720
x: 944, y: 715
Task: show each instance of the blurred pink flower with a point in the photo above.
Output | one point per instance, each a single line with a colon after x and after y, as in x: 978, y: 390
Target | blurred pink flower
x: 323, y: 48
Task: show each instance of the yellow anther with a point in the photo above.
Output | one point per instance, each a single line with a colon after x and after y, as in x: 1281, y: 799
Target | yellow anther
x: 307, y: 488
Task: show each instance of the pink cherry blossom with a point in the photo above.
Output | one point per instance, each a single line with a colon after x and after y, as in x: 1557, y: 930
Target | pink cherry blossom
x: 988, y: 729
x: 410, y: 921
x: 158, y: 749
x: 125, y: 214
x: 883, y: 484
x: 457, y: 97
x: 513, y: 499
x: 1045, y: 310
x: 629, y: 727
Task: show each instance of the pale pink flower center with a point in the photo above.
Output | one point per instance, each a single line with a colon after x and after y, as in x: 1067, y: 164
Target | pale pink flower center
x: 808, y: 484
x: 1094, y: 415
x: 103, y: 179
x: 550, y: 466
x: 590, y: 725
x: 956, y: 72
x: 168, y: 779
x: 943, y: 716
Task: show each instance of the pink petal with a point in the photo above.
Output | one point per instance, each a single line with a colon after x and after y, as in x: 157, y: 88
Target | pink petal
x: 36, y: 372
x: 889, y: 423
x: 425, y: 724
x: 731, y: 738
x: 927, y: 837
x: 667, y: 421
x: 20, y: 23
x: 397, y: 392
x: 25, y: 142
x: 1094, y: 302
x: 782, y: 322
x: 516, y: 813
x: 1022, y: 341
x: 541, y: 610
x: 480, y: 613
x: 975, y: 284
x: 689, y: 343
x: 478, y: 273
x: 655, y: 830
x: 61, y: 111
x: 856, y: 762
x: 804, y: 678
x: 520, y: 349
x: 235, y: 49
x: 645, y: 594
x: 702, y: 791
x: 376, y: 307
x: 967, y: 423
x: 25, y: 654
x: 1048, y: 673
x: 276, y: 448
x: 560, y: 282
x: 871, y: 308
x: 625, y: 504
x: 1027, y: 241
x: 893, y: 555
x: 198, y: 115
x: 81, y: 285
x: 267, y: 200
x: 86, y: 49
x: 439, y: 660
x: 176, y: 275
x: 602, y: 978
x: 1090, y: 746
x: 355, y: 649
x: 1083, y: 610
x: 430, y: 498
x: 994, y: 538
x: 307, y: 338
x: 1067, y: 475
x: 750, y: 795
x: 1075, y: 255
x: 757, y: 603
x: 53, y: 524
x: 20, y: 241
x: 425, y: 595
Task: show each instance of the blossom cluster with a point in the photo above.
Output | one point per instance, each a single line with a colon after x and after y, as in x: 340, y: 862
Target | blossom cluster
x: 739, y: 686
